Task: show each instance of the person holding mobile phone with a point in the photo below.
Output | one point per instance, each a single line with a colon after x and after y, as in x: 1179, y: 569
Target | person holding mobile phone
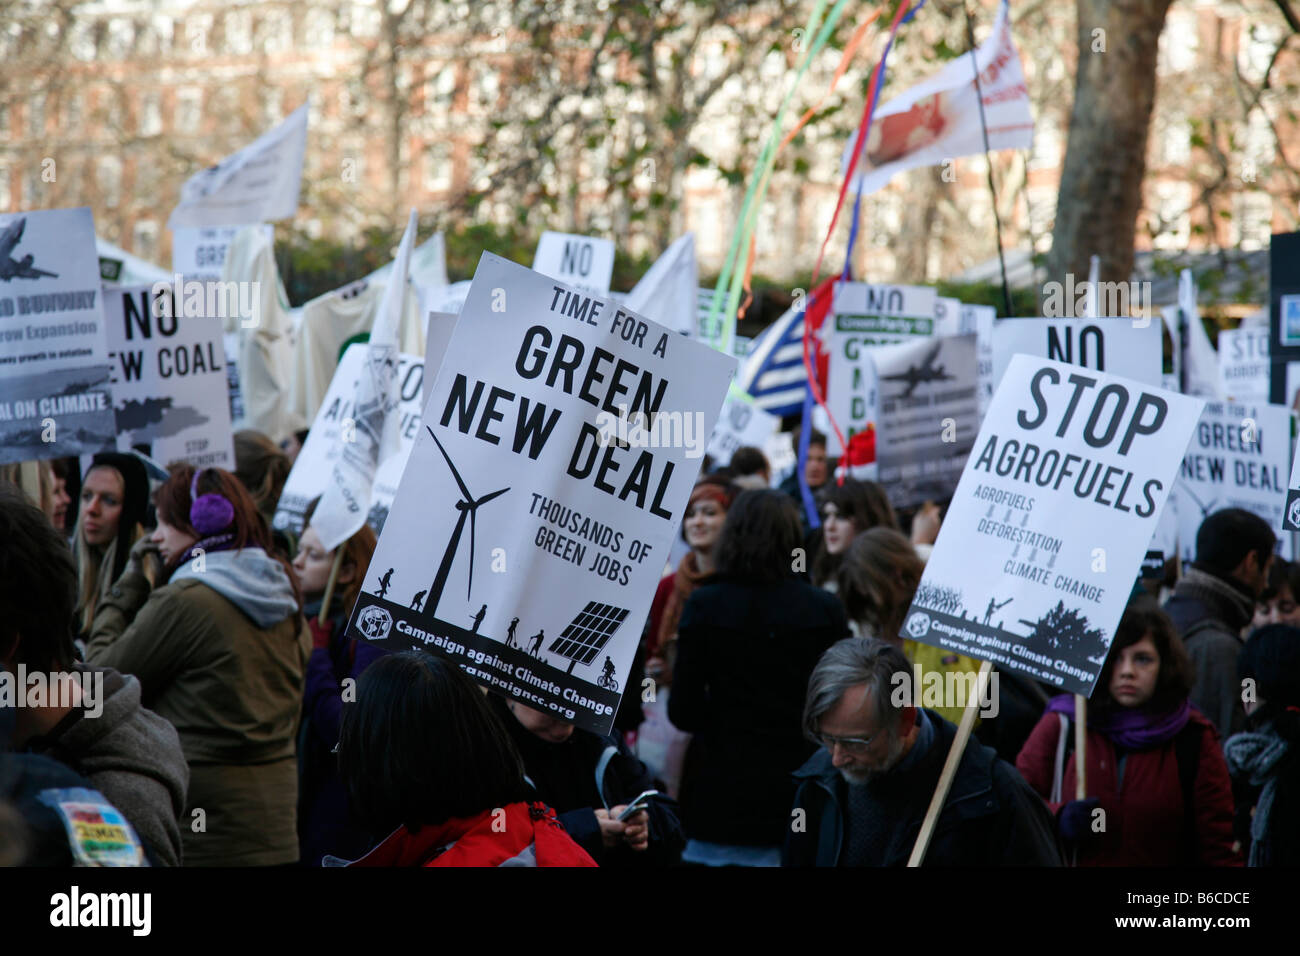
x: 593, y: 781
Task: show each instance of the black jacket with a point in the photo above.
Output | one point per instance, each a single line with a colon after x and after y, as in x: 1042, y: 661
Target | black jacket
x: 589, y: 771
x: 743, y: 661
x: 990, y: 818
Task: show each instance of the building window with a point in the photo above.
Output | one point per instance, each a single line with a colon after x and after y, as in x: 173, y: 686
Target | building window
x: 1252, y: 220
x: 110, y: 181
x: 188, y: 107
x: 1175, y: 139
x: 32, y: 189
x: 1259, y: 145
x: 365, y: 21
x: 440, y: 90
x: 1255, y: 49
x: 319, y: 29
x: 81, y: 40
x: 197, y: 30
x: 1046, y: 153
x: 74, y: 110
x: 487, y: 87
x: 437, y: 168
x: 151, y: 114
x: 272, y: 105
x: 36, y: 115
x: 277, y: 31
x: 6, y: 199
x: 121, y: 37
x: 1178, y: 43
x: 239, y: 32
x: 145, y: 236
x: 1171, y: 220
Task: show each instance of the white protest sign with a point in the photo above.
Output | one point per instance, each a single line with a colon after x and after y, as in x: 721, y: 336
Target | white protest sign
x: 1117, y: 346
x: 1244, y: 364
x: 864, y: 315
x: 526, y: 537
x: 741, y: 423
x: 585, y: 262
x: 55, y: 398
x: 926, y: 415
x: 1236, y: 459
x: 169, y: 378
x: 1041, y: 545
x: 199, y: 252
x: 437, y: 338
x: 257, y: 184
x: 337, y: 419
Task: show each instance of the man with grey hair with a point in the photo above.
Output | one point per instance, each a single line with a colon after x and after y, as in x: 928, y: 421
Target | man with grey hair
x: 862, y: 797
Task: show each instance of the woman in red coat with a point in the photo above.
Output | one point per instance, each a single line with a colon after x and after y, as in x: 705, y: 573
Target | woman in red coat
x: 1158, y: 787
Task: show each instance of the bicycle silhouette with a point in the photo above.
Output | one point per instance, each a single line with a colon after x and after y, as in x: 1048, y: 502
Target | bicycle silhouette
x: 607, y: 682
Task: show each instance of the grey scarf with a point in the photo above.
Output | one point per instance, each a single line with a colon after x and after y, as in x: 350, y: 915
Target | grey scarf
x: 1256, y: 756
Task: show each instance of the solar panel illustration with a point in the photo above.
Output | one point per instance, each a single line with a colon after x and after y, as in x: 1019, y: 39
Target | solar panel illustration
x: 589, y: 631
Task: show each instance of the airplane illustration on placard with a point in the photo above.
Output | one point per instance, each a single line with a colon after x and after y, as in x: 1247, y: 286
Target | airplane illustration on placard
x: 11, y: 268
x: 916, y: 375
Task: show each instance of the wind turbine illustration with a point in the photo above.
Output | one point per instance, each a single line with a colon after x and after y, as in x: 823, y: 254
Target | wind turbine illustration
x: 468, y: 507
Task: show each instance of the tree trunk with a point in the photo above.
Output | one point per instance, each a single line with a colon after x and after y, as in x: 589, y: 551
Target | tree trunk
x: 1105, y: 159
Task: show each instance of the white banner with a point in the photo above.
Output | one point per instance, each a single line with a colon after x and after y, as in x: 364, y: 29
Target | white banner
x: 259, y: 183
x: 1041, y: 545
x: 169, y: 378
x: 55, y: 398
x: 531, y: 523
x: 1236, y: 459
x: 939, y: 119
x: 741, y: 423
x: 200, y: 252
x: 584, y: 262
x: 345, y: 503
x: 863, y: 315
x: 336, y: 424
x: 668, y: 292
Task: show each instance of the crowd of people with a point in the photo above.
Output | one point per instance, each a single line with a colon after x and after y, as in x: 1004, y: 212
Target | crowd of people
x: 234, y: 722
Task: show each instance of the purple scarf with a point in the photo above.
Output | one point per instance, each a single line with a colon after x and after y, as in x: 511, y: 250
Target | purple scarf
x: 1130, y: 728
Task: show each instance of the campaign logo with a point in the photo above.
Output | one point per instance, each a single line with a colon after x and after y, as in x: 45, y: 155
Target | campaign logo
x: 375, y: 623
x: 1293, y: 511
x: 11, y: 268
x: 918, y: 625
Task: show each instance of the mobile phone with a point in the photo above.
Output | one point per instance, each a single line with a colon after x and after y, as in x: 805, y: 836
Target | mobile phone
x: 639, y: 804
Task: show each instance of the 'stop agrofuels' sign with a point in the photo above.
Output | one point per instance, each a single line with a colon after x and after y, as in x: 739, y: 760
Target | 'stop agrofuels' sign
x: 528, y: 533
x: 1059, y: 499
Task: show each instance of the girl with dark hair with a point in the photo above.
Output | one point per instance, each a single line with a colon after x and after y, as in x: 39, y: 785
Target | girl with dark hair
x: 324, y: 824
x: 114, y: 508
x: 701, y: 527
x: 1162, y: 792
x: 220, y: 650
x: 747, y: 642
x: 1264, y: 760
x: 847, y: 510
x: 1280, y: 602
x: 429, y: 769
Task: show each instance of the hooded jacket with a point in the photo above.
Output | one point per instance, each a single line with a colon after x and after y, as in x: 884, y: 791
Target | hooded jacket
x: 1209, y: 613
x: 220, y: 651
x: 129, y: 754
x: 519, y: 834
x: 990, y: 818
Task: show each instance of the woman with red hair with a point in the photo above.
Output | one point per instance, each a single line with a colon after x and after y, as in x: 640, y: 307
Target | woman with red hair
x: 220, y: 650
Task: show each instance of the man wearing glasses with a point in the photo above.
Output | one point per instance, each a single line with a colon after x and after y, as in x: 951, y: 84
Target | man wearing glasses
x: 863, y: 795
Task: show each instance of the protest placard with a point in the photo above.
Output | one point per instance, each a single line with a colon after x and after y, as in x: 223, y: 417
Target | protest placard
x: 337, y: 418
x: 199, y: 252
x: 55, y: 398
x: 584, y: 262
x: 437, y: 337
x: 169, y: 378
x: 559, y: 447
x: 1059, y: 500
x: 864, y: 315
x: 926, y: 415
x: 1236, y: 459
x: 1244, y: 364
x: 741, y: 423
x: 259, y: 183
x: 1118, y: 346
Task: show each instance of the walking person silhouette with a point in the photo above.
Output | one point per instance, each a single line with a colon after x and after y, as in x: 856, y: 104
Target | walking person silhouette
x: 385, y: 581
x: 418, y: 599
x: 478, y: 619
